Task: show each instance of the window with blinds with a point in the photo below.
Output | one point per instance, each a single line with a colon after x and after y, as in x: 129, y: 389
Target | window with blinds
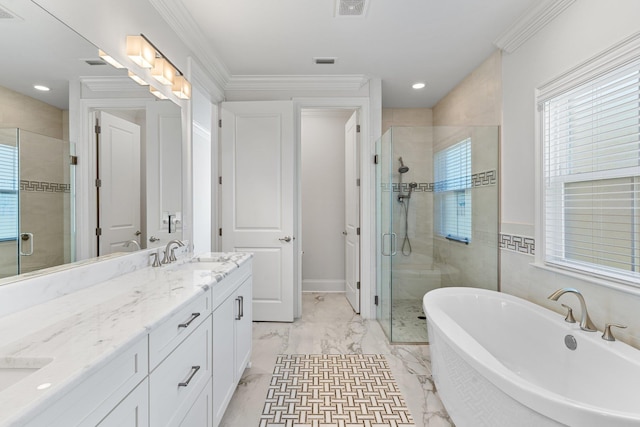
x: 452, y: 175
x: 591, y: 147
x: 8, y: 192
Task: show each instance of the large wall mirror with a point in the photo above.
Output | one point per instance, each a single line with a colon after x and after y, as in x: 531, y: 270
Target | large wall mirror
x: 93, y: 165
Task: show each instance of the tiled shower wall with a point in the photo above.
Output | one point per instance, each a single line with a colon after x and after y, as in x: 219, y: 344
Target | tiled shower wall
x: 44, y: 193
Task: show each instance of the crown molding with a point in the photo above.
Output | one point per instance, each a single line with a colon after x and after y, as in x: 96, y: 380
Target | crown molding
x: 112, y: 84
x: 293, y: 82
x: 183, y: 24
x: 527, y: 25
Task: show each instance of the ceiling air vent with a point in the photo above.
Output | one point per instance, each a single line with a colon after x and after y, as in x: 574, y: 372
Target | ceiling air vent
x: 324, y: 61
x: 95, y: 62
x: 351, y: 7
x: 6, y: 14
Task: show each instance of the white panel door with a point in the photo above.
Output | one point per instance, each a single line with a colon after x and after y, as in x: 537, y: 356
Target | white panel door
x: 164, y: 174
x: 119, y: 173
x: 352, y: 213
x: 258, y: 199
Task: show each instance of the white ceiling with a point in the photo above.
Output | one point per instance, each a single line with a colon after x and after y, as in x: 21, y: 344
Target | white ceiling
x: 401, y: 42
x: 39, y: 49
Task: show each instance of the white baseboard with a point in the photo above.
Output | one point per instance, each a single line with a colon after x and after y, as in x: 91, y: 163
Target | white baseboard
x: 323, y: 285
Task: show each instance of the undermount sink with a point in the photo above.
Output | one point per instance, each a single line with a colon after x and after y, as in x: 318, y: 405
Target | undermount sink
x: 201, y: 265
x: 15, y: 369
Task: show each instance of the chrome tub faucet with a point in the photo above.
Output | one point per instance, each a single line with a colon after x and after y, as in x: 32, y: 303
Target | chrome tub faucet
x: 585, y: 321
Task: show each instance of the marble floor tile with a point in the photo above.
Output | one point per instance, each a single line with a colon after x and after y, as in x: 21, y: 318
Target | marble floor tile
x: 329, y: 326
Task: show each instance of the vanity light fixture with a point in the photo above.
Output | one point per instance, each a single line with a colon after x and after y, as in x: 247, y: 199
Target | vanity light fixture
x: 418, y: 85
x: 109, y: 59
x: 137, y: 79
x: 163, y: 71
x: 157, y: 93
x: 141, y: 51
x: 181, y: 87
x: 41, y: 88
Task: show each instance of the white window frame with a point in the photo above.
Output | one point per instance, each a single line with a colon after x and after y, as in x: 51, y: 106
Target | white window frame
x: 466, y: 188
x: 618, y: 55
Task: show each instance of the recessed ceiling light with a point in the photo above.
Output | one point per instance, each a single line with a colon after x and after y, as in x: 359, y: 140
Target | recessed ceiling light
x: 418, y: 86
x: 41, y: 87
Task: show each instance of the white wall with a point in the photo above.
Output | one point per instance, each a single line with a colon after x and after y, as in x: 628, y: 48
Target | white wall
x: 582, y: 31
x: 202, y: 116
x: 323, y: 200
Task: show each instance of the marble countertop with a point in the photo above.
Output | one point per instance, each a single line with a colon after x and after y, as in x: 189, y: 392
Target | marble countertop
x: 77, y: 334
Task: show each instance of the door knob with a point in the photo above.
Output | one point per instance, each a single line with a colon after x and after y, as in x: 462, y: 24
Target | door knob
x: 137, y: 233
x: 285, y: 239
x: 344, y: 233
x: 153, y: 239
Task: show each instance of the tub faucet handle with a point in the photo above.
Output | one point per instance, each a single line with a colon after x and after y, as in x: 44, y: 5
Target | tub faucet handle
x: 608, y: 335
x: 569, y: 317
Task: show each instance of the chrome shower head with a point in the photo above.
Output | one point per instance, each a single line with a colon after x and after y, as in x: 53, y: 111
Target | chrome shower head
x: 403, y: 168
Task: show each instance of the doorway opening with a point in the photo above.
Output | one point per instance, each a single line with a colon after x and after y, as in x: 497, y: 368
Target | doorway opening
x: 330, y: 202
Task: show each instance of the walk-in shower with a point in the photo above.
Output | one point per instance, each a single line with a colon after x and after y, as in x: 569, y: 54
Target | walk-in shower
x: 437, y: 219
x: 35, y: 202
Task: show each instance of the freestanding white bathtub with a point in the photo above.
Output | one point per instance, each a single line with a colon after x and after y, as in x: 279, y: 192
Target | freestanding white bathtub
x: 498, y: 360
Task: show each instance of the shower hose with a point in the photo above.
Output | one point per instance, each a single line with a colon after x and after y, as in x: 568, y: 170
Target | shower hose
x: 406, y: 243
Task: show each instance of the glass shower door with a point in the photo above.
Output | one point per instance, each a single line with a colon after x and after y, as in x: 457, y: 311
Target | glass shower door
x: 386, y: 237
x: 45, y: 236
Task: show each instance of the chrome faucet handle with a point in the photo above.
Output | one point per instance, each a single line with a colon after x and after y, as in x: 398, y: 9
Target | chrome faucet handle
x: 608, y: 335
x: 156, y: 259
x: 569, y: 317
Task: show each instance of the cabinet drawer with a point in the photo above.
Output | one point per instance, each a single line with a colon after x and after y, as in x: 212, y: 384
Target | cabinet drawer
x: 221, y: 291
x: 95, y: 397
x: 167, y: 336
x: 133, y: 411
x: 176, y: 383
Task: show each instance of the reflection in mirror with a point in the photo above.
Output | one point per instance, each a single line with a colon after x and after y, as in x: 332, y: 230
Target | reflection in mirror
x: 38, y: 202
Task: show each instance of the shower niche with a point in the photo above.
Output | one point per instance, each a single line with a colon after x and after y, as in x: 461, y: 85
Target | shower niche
x: 437, y: 219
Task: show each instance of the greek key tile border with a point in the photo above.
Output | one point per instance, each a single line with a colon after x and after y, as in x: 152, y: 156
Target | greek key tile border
x: 44, y: 187
x: 334, y: 390
x: 480, y: 179
x: 520, y: 244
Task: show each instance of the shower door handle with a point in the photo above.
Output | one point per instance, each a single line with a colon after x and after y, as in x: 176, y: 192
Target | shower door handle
x: 24, y: 237
x: 393, y: 239
x: 394, y: 244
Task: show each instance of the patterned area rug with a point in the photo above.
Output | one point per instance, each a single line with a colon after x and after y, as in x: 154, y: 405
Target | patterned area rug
x: 334, y: 390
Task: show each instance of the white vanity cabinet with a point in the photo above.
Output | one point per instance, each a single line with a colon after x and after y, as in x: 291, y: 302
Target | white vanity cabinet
x: 176, y: 383
x: 232, y: 317
x: 179, y: 366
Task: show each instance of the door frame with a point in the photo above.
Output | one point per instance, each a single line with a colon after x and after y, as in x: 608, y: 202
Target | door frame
x: 81, y: 133
x: 367, y: 196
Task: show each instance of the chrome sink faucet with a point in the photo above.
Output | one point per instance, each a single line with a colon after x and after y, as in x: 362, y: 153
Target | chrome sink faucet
x: 585, y: 321
x: 132, y: 242
x: 168, y: 251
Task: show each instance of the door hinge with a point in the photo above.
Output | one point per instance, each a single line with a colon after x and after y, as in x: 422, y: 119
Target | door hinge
x: 98, y: 183
x: 358, y: 285
x: 98, y: 231
x: 220, y: 123
x: 358, y: 182
x: 358, y: 128
x: 220, y: 180
x: 98, y: 128
x: 375, y: 300
x: 358, y: 231
x: 219, y: 231
x: 376, y: 159
x: 73, y: 160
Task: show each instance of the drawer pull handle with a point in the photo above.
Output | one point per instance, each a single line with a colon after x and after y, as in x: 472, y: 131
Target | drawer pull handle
x: 194, y: 369
x: 241, y: 306
x: 239, y: 301
x: 188, y: 322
